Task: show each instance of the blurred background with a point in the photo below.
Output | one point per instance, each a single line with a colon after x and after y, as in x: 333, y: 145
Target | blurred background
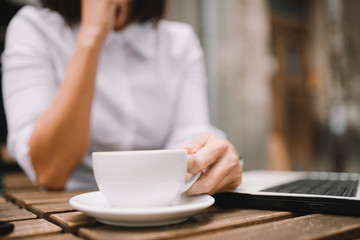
x: 284, y: 78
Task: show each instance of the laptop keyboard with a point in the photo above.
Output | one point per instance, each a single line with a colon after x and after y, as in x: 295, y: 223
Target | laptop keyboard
x: 345, y: 188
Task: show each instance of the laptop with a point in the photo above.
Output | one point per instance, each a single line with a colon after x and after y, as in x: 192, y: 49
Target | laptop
x: 311, y: 192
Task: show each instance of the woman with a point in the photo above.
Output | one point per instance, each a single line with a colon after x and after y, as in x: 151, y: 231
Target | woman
x: 115, y: 77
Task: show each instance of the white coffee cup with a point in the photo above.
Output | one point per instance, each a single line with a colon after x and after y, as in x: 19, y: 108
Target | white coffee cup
x: 150, y: 178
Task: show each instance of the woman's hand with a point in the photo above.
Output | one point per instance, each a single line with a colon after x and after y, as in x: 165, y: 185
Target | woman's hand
x: 218, y: 159
x: 99, y: 17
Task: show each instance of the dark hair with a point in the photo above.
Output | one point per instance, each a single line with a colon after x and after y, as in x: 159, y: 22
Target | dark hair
x: 140, y: 10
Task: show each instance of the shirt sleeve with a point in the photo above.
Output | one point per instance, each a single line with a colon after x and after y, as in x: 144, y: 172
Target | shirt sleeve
x: 28, y: 84
x: 192, y: 114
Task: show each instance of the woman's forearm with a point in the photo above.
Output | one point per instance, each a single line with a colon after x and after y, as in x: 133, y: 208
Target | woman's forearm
x: 60, y: 136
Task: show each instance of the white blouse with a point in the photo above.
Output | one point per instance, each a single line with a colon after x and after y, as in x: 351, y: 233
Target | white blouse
x: 150, y: 86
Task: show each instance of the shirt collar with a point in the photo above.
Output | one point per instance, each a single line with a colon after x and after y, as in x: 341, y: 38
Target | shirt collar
x: 140, y: 36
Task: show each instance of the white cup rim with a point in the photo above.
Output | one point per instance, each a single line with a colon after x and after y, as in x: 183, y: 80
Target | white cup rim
x: 139, y: 152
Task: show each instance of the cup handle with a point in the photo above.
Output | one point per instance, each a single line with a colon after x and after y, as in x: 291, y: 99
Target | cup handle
x: 192, y: 179
x: 190, y: 182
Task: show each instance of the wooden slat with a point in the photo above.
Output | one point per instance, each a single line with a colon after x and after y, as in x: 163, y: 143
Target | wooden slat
x: 26, y: 199
x: 71, y: 221
x: 13, y: 194
x: 316, y: 226
x: 17, y: 181
x: 7, y: 206
x: 30, y: 228
x: 44, y: 210
x: 16, y: 214
x: 3, y: 200
x: 64, y: 236
x: 211, y: 220
x: 19, y: 191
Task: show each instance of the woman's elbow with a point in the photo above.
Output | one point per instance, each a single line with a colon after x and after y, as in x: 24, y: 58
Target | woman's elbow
x: 50, y: 180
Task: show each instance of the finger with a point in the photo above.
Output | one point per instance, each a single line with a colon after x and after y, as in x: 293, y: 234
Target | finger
x: 230, y: 182
x: 120, y: 16
x: 120, y: 1
x: 196, y: 143
x: 208, y: 180
x: 221, y: 174
x: 213, y: 150
x: 188, y: 176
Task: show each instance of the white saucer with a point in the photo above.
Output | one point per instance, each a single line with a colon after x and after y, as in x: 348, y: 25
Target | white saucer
x: 94, y: 204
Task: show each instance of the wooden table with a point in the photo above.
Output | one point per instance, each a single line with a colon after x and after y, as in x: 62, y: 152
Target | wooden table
x: 48, y: 216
